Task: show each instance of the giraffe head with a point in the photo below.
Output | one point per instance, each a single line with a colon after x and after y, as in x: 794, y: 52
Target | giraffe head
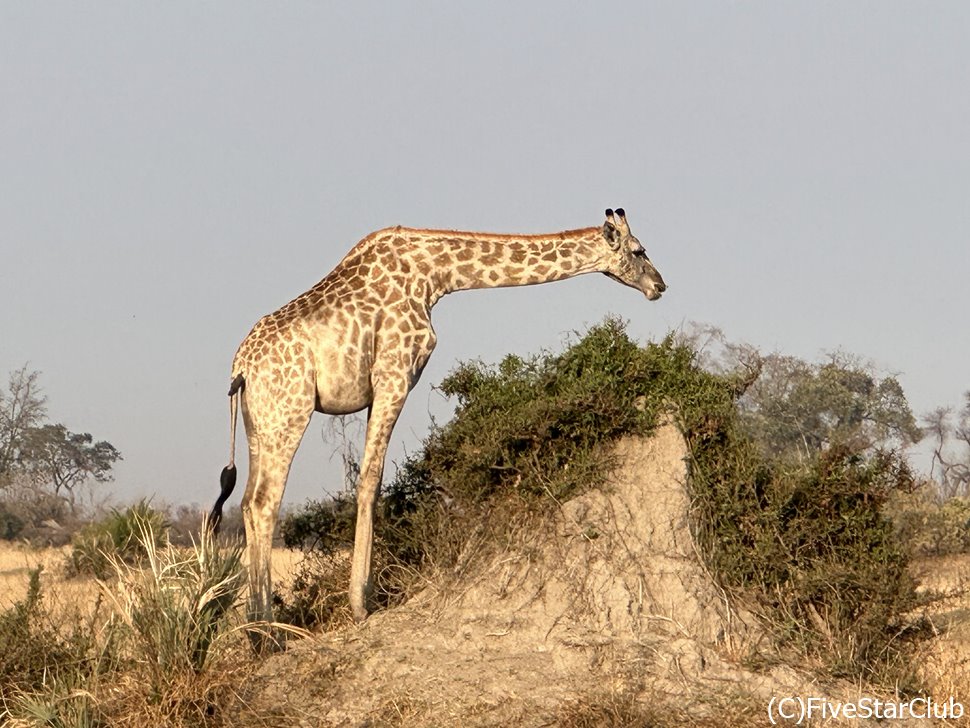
x: 627, y: 260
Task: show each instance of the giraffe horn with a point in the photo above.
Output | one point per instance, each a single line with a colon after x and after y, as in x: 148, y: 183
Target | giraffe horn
x: 621, y: 223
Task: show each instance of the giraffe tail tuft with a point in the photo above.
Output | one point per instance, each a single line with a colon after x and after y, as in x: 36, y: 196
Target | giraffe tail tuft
x: 227, y: 480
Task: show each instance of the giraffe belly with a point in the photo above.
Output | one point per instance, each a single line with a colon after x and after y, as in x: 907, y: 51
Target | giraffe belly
x: 341, y: 406
x: 342, y: 387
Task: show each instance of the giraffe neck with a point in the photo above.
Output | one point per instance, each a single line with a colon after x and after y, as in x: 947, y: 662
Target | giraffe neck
x: 462, y: 261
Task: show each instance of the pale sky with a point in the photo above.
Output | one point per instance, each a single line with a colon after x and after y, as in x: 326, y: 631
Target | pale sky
x: 169, y: 172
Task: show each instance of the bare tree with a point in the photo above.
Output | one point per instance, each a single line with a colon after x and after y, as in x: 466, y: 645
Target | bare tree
x: 950, y: 434
x: 342, y: 433
x: 42, y: 465
x: 22, y: 408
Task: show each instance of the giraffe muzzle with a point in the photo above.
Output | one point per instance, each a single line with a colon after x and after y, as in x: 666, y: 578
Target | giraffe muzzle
x: 656, y: 290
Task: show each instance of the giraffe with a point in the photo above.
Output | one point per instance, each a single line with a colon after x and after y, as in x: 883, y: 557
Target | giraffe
x: 360, y: 338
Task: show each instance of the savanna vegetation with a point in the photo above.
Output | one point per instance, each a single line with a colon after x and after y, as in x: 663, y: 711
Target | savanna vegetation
x: 158, y: 641
x: 804, y: 509
x: 791, y: 512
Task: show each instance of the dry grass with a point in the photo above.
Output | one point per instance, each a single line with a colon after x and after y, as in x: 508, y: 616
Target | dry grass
x: 644, y: 708
x: 604, y: 709
x: 622, y: 710
x: 66, y: 599
x: 16, y: 562
x: 61, y: 591
x: 945, y: 660
x: 161, y: 644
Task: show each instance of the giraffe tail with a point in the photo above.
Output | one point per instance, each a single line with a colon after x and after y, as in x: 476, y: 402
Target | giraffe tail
x: 227, y: 480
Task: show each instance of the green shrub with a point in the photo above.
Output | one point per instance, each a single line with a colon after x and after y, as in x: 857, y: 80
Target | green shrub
x: 117, y: 535
x: 36, y: 517
x: 816, y: 550
x: 517, y: 424
x: 321, y: 526
x: 949, y: 531
x: 529, y: 433
x: 10, y: 523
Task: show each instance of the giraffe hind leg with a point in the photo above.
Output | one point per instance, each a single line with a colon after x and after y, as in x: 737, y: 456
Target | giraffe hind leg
x: 275, y: 422
x: 269, y: 465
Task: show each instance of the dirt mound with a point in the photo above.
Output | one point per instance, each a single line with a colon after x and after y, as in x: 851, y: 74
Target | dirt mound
x: 607, y: 602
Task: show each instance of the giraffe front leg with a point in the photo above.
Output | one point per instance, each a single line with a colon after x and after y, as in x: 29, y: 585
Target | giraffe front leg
x: 382, y: 417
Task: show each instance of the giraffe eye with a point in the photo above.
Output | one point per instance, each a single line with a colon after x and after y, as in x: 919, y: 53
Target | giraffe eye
x: 640, y: 253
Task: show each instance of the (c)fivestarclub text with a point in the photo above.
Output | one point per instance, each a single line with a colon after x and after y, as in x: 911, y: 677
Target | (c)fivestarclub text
x: 797, y: 710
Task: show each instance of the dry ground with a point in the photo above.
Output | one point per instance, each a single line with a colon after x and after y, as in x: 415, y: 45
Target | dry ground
x: 945, y: 660
x: 603, y: 619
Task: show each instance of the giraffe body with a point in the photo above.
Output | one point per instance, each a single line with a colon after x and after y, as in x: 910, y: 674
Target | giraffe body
x: 360, y: 339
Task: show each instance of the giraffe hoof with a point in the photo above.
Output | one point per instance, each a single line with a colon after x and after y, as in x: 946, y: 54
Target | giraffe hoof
x: 359, y: 614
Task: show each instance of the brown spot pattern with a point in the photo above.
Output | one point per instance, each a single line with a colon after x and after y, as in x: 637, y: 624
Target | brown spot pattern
x: 360, y: 337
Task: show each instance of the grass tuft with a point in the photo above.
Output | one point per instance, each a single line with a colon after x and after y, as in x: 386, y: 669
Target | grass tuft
x: 180, y: 602
x: 117, y: 536
x: 169, y: 654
